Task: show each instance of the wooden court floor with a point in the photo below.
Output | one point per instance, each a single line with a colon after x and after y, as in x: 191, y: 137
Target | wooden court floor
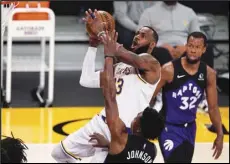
x: 51, y: 125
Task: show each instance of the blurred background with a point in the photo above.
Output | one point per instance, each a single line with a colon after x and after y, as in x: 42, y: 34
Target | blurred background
x: 71, y: 42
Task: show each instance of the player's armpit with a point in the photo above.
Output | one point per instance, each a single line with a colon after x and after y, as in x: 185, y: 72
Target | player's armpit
x: 212, y: 99
x: 145, y: 61
x: 117, y: 128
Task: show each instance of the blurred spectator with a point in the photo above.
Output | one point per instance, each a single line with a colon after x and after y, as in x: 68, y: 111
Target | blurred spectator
x: 13, y: 150
x: 127, y: 15
x: 173, y: 22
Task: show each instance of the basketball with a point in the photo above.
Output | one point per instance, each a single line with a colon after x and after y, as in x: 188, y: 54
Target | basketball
x: 103, y: 16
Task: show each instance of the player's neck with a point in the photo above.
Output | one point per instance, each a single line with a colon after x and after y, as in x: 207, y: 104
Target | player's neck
x: 190, y: 66
x: 191, y: 69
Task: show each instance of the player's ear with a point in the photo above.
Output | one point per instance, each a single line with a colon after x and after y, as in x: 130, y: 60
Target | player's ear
x: 151, y: 47
x: 204, y: 49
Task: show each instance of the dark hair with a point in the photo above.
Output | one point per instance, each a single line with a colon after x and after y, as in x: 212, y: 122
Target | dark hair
x: 155, y: 35
x: 12, y: 150
x: 198, y: 34
x: 151, y: 123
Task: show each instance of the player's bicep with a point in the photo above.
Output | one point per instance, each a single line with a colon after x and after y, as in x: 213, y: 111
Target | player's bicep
x: 211, y: 90
x: 147, y: 62
x: 116, y: 128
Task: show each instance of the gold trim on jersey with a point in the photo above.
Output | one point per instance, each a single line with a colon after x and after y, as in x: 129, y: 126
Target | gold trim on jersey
x: 139, y: 76
x: 68, y: 153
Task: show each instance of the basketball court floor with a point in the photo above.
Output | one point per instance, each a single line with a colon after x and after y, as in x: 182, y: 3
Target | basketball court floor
x: 41, y: 128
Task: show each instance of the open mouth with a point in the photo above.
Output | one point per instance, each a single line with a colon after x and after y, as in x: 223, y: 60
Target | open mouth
x: 193, y: 57
x: 134, y: 43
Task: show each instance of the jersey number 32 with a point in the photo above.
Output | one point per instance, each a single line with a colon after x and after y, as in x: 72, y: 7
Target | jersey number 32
x: 188, y: 103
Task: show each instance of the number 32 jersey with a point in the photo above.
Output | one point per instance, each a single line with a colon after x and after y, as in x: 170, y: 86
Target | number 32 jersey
x: 182, y: 96
x: 133, y: 92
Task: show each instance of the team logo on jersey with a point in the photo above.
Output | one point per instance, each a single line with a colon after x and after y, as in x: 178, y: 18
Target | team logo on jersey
x: 189, y: 87
x: 180, y: 76
x: 189, y: 94
x: 168, y: 145
x: 124, y: 71
x: 201, y: 76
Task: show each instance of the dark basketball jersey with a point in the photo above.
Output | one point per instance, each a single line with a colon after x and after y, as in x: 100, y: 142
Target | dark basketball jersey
x: 182, y: 96
x: 137, y: 150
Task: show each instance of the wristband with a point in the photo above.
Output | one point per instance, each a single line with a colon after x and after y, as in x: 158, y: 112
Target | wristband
x: 111, y: 56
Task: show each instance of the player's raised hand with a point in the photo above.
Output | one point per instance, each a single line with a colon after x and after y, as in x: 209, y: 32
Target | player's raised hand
x: 217, y: 147
x: 91, y: 19
x: 94, y: 41
x: 109, y: 39
x: 89, y: 16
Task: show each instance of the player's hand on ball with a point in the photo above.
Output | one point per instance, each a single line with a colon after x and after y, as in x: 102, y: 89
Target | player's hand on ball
x: 217, y: 147
x: 94, y: 41
x: 92, y: 21
x: 109, y: 39
x: 101, y: 140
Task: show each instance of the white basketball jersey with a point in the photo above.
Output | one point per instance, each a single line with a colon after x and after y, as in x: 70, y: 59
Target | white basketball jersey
x: 133, y: 92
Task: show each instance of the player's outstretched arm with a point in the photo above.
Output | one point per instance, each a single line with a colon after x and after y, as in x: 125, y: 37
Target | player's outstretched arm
x: 89, y: 77
x: 143, y: 61
x: 214, y: 112
x: 109, y: 91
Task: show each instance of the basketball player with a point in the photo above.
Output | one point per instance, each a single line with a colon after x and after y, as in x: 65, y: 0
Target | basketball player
x: 124, y: 147
x: 136, y: 79
x: 13, y: 150
x: 184, y: 81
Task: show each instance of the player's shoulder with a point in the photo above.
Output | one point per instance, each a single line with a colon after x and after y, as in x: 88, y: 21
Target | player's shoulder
x: 148, y: 57
x: 168, y: 67
x: 167, y: 71
x: 210, y: 70
x: 211, y: 73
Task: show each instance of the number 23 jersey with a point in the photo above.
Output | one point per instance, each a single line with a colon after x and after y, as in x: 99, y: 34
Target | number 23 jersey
x: 133, y: 92
x: 182, y: 96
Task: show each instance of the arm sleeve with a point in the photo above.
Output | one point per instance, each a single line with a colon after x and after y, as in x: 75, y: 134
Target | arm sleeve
x: 120, y: 10
x: 89, y: 77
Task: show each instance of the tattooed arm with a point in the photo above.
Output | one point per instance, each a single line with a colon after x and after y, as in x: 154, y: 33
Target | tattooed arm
x: 143, y: 61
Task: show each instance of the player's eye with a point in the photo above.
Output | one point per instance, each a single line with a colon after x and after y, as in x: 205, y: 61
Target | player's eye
x: 143, y: 35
